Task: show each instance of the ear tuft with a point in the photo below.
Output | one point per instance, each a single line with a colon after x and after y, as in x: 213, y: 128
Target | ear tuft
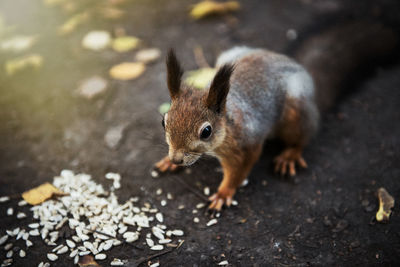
x: 219, y: 88
x: 174, y: 74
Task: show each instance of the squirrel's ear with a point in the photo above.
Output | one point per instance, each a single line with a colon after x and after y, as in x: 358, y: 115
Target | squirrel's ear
x: 174, y: 74
x: 219, y: 88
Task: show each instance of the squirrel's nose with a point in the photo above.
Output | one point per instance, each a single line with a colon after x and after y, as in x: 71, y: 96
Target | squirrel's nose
x: 177, y: 158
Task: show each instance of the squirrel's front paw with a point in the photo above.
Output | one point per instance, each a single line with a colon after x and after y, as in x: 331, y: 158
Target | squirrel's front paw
x: 165, y: 165
x: 287, y: 161
x: 223, y: 196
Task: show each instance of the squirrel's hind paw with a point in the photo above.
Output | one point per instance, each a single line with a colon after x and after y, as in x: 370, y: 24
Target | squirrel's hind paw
x: 165, y: 165
x: 287, y: 160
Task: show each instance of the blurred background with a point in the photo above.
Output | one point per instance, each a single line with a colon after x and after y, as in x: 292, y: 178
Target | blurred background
x: 82, y: 86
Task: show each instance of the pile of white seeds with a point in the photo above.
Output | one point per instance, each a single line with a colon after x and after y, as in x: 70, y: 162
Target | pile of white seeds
x: 96, y: 220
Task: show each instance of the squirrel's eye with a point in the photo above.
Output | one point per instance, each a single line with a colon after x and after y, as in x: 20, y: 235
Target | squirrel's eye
x: 206, y: 133
x: 163, y: 123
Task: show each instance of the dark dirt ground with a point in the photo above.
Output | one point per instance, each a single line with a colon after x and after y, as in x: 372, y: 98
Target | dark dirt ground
x: 324, y: 216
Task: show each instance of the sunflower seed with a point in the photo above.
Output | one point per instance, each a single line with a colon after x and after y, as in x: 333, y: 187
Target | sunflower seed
x: 156, y: 264
x: 28, y: 243
x: 7, y: 262
x: 34, y: 232
x: 212, y: 222
x: 52, y: 256
x: 22, y: 203
x: 234, y: 203
x: 73, y: 253
x: 57, y: 248
x: 154, y: 174
x: 157, y: 247
x: 223, y: 263
x: 100, y: 256
x: 21, y: 215
x: 76, y: 259
x: 117, y: 262
x: 150, y: 242
x: 177, y: 232
x: 163, y: 202
x: 164, y: 241
x: 9, y: 254
x: 206, y: 191
x: 159, y: 217
x: 3, y: 239
x: 16, y: 231
x: 159, y: 191
x: 83, y: 253
x: 62, y: 250
x: 22, y: 253
x: 4, y: 199
x: 200, y: 205
x: 196, y: 220
x: 46, y: 264
x: 41, y: 264
x: 8, y: 246
x: 10, y: 211
x: 70, y: 243
x: 170, y: 196
x: 33, y: 225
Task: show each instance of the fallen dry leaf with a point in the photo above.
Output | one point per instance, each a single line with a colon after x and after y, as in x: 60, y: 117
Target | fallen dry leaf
x: 206, y: 8
x: 200, y: 78
x: 41, y: 193
x: 96, y: 40
x: 127, y: 70
x: 14, y: 65
x: 92, y: 87
x: 125, y: 43
x: 386, y: 203
x: 73, y: 22
x: 87, y: 261
x: 148, y: 55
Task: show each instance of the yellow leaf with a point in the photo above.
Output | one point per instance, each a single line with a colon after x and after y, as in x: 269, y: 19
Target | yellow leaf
x: 127, y: 70
x: 200, y: 78
x: 386, y: 203
x: 205, y: 8
x: 73, y: 22
x: 125, y: 43
x: 41, y: 193
x: 15, y: 65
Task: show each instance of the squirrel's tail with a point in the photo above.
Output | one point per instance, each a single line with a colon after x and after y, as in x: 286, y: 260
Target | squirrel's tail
x: 334, y: 56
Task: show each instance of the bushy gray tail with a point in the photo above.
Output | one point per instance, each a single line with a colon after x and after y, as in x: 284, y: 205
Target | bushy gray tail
x: 334, y: 55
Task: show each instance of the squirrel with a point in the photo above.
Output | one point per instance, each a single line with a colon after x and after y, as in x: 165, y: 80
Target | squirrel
x: 258, y: 94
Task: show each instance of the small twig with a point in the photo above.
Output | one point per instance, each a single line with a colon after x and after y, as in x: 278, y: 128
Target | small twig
x: 199, y: 57
x: 194, y: 191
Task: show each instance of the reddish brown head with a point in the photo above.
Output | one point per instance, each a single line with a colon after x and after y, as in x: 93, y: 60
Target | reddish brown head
x: 195, y: 123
